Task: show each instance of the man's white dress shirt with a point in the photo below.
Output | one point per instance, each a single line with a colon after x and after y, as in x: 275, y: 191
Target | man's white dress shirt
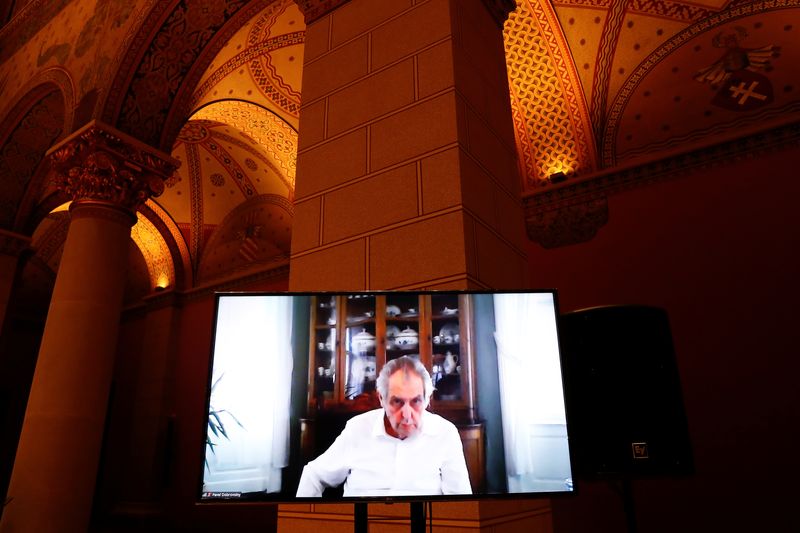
x: 373, y: 463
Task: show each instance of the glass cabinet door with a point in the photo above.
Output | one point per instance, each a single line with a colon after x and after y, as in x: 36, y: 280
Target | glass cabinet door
x: 402, y: 335
x: 355, y: 335
x: 323, y: 347
x: 360, y: 349
x: 446, y: 358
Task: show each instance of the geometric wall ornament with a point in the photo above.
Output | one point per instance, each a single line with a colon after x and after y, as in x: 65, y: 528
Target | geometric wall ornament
x: 551, y: 120
x: 261, y: 63
x: 263, y: 127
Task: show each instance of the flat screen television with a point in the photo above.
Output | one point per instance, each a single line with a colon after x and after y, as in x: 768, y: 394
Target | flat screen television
x: 300, y: 408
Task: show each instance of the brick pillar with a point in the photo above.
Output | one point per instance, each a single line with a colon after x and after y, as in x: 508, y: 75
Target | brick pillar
x: 107, y: 175
x: 406, y: 169
x: 407, y: 178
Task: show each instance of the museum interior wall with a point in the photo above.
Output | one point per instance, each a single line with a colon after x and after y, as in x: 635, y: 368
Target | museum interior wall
x: 656, y: 145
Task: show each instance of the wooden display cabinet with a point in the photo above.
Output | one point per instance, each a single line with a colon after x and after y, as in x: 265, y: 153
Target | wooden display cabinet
x: 352, y: 337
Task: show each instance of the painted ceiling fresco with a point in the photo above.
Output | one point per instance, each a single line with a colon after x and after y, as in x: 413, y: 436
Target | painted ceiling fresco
x: 595, y: 85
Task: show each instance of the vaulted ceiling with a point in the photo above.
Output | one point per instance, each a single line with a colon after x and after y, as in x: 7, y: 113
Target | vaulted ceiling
x: 601, y: 83
x: 595, y: 85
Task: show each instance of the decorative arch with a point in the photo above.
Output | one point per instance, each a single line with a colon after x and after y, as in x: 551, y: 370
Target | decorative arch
x: 251, y: 236
x: 151, y: 94
x: 41, y: 114
x: 174, y: 242
x: 265, y: 127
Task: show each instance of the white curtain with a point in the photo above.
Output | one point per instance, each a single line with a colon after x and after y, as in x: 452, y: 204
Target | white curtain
x: 530, y: 374
x: 252, y: 376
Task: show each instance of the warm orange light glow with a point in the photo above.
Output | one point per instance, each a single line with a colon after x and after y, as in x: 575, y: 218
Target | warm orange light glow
x: 62, y: 207
x: 155, y: 252
x: 559, y: 166
x: 163, y: 282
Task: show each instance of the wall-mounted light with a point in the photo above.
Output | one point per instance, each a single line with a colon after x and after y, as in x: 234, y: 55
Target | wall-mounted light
x: 162, y: 283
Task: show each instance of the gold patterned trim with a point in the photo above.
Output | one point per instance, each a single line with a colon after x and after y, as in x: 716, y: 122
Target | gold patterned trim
x: 551, y: 119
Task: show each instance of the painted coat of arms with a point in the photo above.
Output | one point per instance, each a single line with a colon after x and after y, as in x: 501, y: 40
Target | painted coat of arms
x: 739, y: 73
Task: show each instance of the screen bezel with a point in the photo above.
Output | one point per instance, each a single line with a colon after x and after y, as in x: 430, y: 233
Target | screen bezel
x: 283, y: 498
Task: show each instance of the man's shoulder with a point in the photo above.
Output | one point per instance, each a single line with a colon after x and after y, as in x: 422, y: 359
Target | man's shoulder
x: 438, y: 424
x: 366, y: 419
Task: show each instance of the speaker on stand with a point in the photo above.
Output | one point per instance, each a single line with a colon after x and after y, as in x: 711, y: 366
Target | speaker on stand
x: 624, y: 404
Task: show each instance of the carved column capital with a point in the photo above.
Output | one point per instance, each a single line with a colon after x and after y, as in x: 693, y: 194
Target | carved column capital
x: 13, y: 243
x: 316, y: 9
x: 100, y: 164
x: 500, y: 9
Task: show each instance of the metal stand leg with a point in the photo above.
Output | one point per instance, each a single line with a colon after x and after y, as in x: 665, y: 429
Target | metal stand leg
x: 360, y: 518
x: 629, y: 505
x: 417, y: 517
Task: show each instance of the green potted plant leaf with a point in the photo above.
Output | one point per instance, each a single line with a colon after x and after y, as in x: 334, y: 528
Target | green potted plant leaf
x: 216, y: 425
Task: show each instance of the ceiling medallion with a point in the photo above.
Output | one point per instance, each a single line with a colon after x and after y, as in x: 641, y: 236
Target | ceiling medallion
x: 193, y: 132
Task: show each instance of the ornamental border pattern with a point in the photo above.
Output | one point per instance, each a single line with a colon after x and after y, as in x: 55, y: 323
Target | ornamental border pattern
x: 595, y: 189
x: 181, y: 103
x: 261, y: 157
x: 581, y: 120
x: 666, y: 9
x: 247, y: 55
x: 196, y: 192
x: 604, y: 63
x: 767, y: 116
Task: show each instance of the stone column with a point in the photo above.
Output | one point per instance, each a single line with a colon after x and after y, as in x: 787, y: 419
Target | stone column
x: 407, y: 178
x: 108, y: 175
x: 11, y: 245
x: 406, y: 170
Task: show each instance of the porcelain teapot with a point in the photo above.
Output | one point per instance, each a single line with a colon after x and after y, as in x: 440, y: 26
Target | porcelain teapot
x: 408, y: 338
x: 363, y: 341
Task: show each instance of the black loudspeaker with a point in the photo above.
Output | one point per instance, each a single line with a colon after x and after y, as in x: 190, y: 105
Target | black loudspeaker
x: 624, y: 406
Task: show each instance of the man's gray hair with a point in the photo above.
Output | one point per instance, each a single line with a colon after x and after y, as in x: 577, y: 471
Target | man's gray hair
x: 407, y: 364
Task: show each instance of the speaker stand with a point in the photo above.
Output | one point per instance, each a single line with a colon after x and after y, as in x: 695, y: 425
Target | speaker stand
x: 628, y: 504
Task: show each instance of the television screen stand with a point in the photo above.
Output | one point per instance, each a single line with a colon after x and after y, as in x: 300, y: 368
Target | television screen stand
x: 361, y: 518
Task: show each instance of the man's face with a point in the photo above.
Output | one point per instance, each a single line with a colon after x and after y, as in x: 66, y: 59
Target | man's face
x: 405, y: 404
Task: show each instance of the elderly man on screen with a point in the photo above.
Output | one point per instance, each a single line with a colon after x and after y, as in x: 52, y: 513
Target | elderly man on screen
x: 398, y: 450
